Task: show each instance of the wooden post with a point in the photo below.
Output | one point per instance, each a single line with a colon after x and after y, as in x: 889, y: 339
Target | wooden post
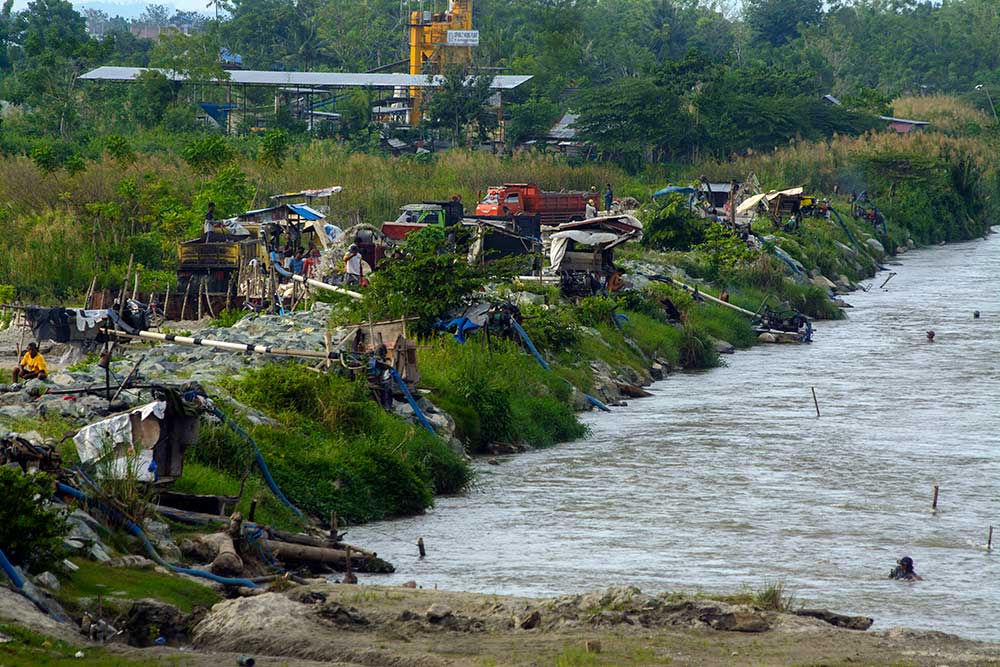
x: 229, y: 292
x: 816, y: 403
x: 935, y: 499
x: 184, y: 302
x: 166, y: 301
x: 333, y: 527
x: 989, y: 540
x: 90, y: 293
x: 198, y: 289
x: 208, y: 300
x: 420, y: 547
x: 253, y: 510
x: 121, y: 294
x: 349, y: 577
x: 135, y: 286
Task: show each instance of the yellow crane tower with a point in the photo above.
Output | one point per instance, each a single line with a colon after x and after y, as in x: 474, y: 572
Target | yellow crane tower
x: 439, y: 39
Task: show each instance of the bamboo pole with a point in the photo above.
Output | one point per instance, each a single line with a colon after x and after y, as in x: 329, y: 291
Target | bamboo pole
x: 184, y: 303
x: 815, y: 402
x: 166, y: 301
x: 208, y: 300
x: 135, y: 286
x: 121, y: 294
x: 90, y: 293
x: 229, y: 292
x: 934, y: 499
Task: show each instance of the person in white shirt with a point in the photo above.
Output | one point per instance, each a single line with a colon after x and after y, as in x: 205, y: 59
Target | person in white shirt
x: 352, y: 265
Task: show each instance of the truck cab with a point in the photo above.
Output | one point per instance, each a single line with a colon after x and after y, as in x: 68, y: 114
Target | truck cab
x: 413, y: 217
x: 502, y: 201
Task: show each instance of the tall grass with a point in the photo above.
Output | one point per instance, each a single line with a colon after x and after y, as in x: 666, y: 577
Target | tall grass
x: 335, y: 450
x: 499, y: 394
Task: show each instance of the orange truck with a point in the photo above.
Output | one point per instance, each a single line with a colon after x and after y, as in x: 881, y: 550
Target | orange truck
x: 552, y: 208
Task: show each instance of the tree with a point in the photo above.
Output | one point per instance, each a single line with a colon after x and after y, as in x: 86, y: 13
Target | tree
x: 777, y: 22
x: 459, y: 102
x: 274, y: 148
x: 530, y: 119
x: 195, y: 56
x: 51, y: 28
x: 150, y: 96
x: 634, y: 119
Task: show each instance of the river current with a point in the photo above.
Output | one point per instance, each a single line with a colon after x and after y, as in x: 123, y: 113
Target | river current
x: 727, y: 478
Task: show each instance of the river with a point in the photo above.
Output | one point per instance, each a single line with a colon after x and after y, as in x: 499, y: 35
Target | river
x: 727, y: 478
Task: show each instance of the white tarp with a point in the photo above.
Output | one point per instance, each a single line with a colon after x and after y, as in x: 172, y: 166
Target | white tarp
x: 560, y: 240
x: 116, y: 434
x: 752, y: 202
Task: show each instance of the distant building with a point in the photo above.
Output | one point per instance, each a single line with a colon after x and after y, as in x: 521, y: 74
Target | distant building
x: 903, y: 125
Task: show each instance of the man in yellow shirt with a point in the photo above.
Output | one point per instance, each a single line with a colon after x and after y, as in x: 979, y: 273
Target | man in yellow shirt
x: 32, y: 365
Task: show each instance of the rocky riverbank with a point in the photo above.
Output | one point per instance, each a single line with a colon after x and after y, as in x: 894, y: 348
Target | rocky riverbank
x: 407, y: 627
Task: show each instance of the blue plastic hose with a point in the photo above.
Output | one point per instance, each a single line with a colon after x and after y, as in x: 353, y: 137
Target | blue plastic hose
x: 531, y: 346
x: 534, y: 351
x: 150, y: 549
x: 12, y: 574
x: 409, y: 399
x: 259, y: 459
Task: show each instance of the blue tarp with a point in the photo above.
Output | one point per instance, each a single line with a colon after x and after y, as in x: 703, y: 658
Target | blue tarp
x: 462, y: 326
x: 305, y: 212
x: 675, y: 189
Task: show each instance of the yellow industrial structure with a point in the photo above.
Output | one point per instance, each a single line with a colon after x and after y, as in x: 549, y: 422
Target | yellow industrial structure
x: 437, y: 40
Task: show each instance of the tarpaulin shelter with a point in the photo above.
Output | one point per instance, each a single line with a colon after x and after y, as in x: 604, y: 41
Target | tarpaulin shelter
x: 602, y: 234
x: 146, y: 443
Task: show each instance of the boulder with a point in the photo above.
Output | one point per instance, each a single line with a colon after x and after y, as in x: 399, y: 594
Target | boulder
x: 722, y: 346
x: 530, y: 621
x: 767, y: 338
x: 437, y: 613
x: 83, y: 528
x: 48, y: 581
x: 846, y: 249
x: 36, y: 387
x: 98, y: 553
x: 17, y: 411
x: 823, y: 282
x: 876, y: 245
x: 159, y: 534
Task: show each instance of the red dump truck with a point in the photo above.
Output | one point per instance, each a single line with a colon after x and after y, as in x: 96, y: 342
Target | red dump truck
x: 552, y: 208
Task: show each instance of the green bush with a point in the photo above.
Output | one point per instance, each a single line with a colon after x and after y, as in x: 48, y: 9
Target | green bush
x: 551, y: 329
x: 336, y: 450
x: 512, y: 397
x: 31, y: 534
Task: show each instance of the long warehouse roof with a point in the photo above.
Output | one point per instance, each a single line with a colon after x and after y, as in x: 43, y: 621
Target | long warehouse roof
x: 328, y: 79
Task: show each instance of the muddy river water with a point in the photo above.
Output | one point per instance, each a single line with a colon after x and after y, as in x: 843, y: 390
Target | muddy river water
x: 726, y: 478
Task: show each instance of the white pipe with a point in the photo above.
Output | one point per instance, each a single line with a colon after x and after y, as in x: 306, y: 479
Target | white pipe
x: 223, y: 345
x: 712, y: 298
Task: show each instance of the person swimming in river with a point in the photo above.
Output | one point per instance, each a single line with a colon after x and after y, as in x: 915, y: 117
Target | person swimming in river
x: 904, y: 570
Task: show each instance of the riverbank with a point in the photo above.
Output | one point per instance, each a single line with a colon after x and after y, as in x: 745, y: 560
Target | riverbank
x: 350, y: 626
x: 727, y: 478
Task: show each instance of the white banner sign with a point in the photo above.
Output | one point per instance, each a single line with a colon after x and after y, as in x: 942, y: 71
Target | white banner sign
x: 463, y: 38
